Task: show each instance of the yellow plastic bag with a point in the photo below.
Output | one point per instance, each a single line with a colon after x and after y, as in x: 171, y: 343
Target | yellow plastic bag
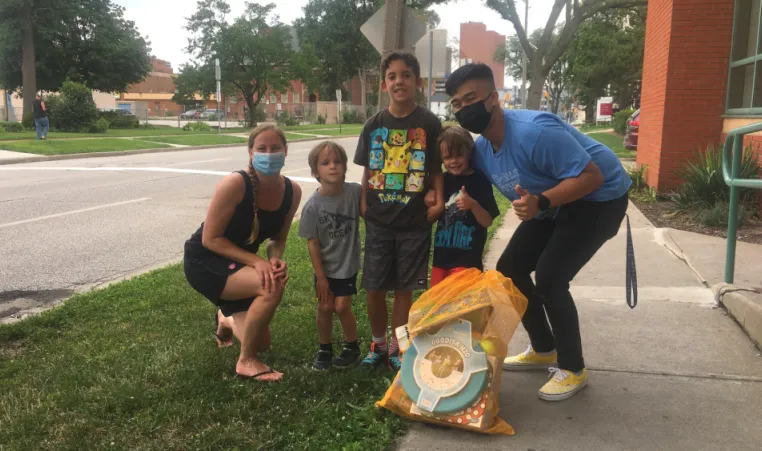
x: 455, y: 341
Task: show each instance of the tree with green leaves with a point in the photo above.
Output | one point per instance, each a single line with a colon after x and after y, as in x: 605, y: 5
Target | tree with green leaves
x: 194, y: 80
x: 45, y: 42
x: 333, y: 27
x: 557, y: 80
x: 544, y: 56
x: 606, y: 57
x: 256, y: 52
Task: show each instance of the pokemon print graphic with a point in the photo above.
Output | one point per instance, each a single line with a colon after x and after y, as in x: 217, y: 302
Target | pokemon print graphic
x: 394, y: 182
x: 414, y: 182
x: 418, y: 137
x: 378, y: 137
x: 376, y: 180
x: 398, y: 137
x: 376, y: 159
x: 418, y: 161
x: 397, y: 158
x: 397, y: 163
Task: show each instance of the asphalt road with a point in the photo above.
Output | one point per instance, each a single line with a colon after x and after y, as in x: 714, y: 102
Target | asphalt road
x: 68, y: 226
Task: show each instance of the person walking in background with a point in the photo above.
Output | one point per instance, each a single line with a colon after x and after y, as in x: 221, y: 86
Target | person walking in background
x: 41, y: 122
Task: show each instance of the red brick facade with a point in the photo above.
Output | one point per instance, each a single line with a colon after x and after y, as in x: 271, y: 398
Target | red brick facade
x: 479, y: 45
x: 685, y: 74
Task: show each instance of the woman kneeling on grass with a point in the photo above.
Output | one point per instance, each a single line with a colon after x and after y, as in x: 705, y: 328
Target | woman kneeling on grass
x: 221, y: 261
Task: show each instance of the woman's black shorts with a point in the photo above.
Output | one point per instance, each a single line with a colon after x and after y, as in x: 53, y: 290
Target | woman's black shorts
x: 209, y: 275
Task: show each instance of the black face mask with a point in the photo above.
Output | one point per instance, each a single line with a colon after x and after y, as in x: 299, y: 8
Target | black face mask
x: 475, y: 117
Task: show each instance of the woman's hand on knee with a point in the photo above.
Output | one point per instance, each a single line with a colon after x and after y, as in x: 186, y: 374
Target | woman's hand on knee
x: 266, y: 275
x: 280, y: 270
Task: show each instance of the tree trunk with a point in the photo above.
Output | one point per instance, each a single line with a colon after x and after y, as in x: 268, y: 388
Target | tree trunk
x: 363, y: 94
x: 28, y: 64
x: 252, y: 106
x: 590, y: 113
x: 534, y: 98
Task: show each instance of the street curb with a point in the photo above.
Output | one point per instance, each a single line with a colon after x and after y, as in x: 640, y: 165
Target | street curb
x: 120, y: 153
x: 745, y: 305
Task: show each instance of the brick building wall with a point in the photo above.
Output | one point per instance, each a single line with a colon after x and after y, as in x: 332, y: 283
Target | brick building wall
x: 479, y: 45
x: 685, y: 72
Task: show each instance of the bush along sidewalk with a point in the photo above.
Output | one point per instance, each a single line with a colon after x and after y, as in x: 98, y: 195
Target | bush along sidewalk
x: 705, y: 196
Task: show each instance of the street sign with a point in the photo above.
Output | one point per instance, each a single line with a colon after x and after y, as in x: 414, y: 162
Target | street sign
x: 605, y: 109
x: 217, y: 75
x: 438, y: 55
x: 413, y: 29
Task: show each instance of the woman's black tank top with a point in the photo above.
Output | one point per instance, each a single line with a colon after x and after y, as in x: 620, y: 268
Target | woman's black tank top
x: 239, y: 227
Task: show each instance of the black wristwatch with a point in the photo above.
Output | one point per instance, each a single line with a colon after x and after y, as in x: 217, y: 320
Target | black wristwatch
x: 543, y: 203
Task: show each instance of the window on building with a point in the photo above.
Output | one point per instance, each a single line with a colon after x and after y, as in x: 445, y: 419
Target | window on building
x: 273, y: 98
x: 297, y: 97
x: 284, y: 98
x: 745, y: 78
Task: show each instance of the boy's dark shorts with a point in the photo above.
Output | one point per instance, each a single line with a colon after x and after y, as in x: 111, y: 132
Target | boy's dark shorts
x: 342, y: 287
x: 396, y: 260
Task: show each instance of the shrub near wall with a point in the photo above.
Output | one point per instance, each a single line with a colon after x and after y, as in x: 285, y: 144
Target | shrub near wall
x: 620, y: 121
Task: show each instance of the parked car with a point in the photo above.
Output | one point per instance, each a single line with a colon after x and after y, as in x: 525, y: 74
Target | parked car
x: 631, y: 136
x: 217, y: 114
x: 190, y: 114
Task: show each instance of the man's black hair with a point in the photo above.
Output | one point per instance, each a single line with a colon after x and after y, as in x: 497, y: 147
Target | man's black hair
x: 468, y: 72
x: 408, y: 58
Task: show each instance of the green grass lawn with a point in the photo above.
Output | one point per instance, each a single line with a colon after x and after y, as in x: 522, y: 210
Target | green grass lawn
x: 614, y: 142
x: 61, y: 147
x: 135, y: 366
x: 199, y: 140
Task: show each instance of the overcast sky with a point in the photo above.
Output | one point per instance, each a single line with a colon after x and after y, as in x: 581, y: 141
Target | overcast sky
x: 162, y: 21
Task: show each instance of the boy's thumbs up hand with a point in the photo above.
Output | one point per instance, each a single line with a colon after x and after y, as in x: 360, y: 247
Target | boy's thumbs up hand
x: 464, y: 201
x: 526, y: 207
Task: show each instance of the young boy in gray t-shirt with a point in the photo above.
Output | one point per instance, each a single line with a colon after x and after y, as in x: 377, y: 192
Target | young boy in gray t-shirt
x: 330, y: 221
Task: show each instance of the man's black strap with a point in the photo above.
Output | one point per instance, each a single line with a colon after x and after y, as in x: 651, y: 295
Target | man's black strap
x: 632, y: 274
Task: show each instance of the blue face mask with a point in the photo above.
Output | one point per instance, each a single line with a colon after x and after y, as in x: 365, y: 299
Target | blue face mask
x: 268, y: 163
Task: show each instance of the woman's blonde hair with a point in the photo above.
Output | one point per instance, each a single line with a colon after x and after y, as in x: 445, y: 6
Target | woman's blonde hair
x: 314, y: 156
x: 253, y: 174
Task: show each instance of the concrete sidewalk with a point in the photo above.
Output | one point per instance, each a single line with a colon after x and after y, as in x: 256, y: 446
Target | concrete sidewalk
x: 674, y: 373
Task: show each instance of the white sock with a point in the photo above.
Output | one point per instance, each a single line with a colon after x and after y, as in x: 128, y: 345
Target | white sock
x: 380, y: 341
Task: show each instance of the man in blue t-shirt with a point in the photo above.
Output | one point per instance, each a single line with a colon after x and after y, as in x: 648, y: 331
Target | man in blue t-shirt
x: 569, y: 190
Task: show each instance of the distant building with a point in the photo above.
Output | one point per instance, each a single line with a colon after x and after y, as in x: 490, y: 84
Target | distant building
x: 477, y: 45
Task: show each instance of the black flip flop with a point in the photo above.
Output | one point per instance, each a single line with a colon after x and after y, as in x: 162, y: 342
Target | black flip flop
x: 270, y: 371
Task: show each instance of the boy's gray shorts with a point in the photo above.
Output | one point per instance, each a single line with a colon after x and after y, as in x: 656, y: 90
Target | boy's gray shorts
x: 396, y: 260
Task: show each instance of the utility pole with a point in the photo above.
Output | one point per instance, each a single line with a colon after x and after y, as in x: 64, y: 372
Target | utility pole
x: 431, y: 63
x: 392, y: 38
x: 524, y: 58
x: 218, y: 77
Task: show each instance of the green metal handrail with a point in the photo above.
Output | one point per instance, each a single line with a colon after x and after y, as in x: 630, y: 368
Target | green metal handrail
x: 732, y: 155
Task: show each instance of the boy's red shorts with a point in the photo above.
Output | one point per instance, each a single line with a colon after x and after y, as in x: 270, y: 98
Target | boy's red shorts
x: 440, y: 274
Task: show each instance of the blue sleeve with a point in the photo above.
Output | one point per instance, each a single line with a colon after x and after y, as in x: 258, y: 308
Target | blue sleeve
x: 557, y: 154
